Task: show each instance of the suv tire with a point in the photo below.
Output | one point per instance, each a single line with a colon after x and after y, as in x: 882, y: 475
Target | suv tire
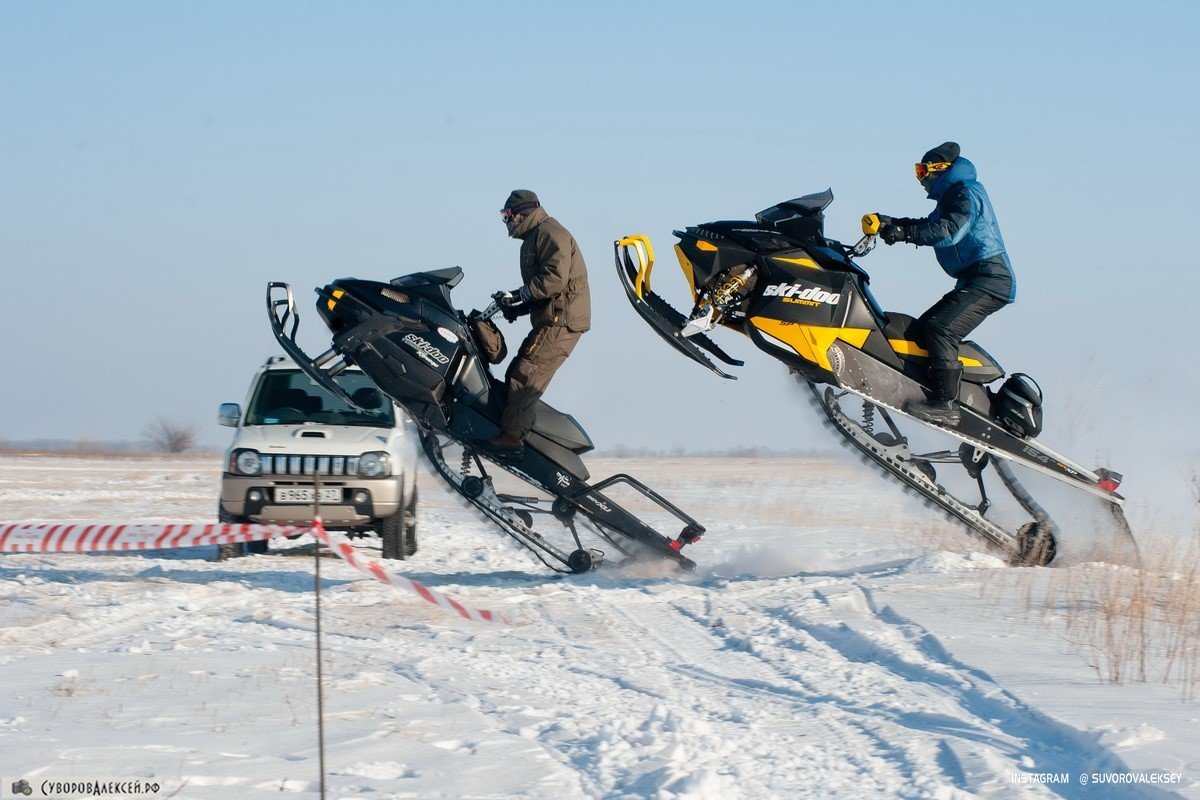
x: 238, y: 549
x: 393, y: 530
x: 410, y: 547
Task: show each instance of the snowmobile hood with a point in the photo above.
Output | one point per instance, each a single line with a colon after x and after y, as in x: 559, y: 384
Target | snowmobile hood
x: 961, y: 170
x: 316, y: 440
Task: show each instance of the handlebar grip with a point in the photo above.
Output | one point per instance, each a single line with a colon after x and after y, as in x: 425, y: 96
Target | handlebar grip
x: 870, y: 224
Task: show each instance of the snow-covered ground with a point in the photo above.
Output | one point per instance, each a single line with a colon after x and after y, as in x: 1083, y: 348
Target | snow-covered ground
x: 835, y: 642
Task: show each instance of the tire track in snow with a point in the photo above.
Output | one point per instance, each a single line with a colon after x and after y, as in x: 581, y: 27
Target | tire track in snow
x: 981, y: 733
x: 734, y: 727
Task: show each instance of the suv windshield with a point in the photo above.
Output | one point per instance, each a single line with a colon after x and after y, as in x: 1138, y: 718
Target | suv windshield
x: 289, y: 397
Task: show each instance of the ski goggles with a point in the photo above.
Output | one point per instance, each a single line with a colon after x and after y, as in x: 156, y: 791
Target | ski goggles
x: 507, y: 214
x: 927, y: 168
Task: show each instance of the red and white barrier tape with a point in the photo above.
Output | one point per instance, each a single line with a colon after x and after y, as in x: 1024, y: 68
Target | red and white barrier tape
x: 82, y: 537
x: 85, y: 537
x: 369, y: 566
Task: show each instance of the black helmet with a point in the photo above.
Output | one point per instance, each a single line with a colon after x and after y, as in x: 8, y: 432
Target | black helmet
x: 936, y: 161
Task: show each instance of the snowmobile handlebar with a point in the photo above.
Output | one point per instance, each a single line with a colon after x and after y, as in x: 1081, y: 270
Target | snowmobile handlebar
x: 870, y: 229
x: 494, y: 308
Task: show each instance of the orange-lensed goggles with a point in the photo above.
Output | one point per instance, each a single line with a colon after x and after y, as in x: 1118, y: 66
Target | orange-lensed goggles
x: 927, y: 168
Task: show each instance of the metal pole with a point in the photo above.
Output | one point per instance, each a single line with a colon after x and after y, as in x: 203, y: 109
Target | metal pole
x: 317, y: 605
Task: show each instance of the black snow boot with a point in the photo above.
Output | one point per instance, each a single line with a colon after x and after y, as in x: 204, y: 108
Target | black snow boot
x: 942, y: 407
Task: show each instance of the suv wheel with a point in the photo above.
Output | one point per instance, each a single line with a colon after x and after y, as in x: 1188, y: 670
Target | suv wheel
x: 393, y: 531
x: 410, y: 511
x: 237, y: 549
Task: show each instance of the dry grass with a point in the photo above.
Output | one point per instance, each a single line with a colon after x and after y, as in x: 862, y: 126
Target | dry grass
x: 1133, y: 624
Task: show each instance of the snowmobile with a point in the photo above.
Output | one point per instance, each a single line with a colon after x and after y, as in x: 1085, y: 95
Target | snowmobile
x: 432, y: 359
x: 803, y: 299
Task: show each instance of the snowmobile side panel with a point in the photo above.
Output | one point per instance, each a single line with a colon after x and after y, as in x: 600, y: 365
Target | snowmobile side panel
x: 811, y: 342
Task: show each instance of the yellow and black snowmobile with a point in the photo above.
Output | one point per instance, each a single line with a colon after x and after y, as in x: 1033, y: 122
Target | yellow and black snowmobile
x: 801, y: 298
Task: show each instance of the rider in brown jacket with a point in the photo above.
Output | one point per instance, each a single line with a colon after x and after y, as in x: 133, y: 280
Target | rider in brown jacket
x: 555, y: 294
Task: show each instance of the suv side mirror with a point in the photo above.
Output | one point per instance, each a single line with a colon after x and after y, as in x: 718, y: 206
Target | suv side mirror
x: 229, y: 415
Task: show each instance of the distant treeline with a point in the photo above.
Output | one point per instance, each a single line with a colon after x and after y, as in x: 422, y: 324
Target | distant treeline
x: 81, y: 446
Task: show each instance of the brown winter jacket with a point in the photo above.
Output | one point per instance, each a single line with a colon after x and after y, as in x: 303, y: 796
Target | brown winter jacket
x: 553, y: 270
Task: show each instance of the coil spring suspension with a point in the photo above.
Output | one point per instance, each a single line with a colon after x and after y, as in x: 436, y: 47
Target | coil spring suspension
x: 730, y: 289
x: 465, y: 469
x: 868, y: 417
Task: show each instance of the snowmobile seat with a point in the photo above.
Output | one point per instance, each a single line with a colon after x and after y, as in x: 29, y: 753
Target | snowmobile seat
x: 560, y: 428
x: 548, y: 422
x: 978, y: 366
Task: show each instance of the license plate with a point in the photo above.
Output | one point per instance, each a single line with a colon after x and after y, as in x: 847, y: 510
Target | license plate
x: 305, y: 494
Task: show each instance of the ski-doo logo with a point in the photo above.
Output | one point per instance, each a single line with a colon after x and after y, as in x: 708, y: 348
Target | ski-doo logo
x: 562, y: 480
x: 428, y: 353
x: 599, y: 503
x: 799, y: 293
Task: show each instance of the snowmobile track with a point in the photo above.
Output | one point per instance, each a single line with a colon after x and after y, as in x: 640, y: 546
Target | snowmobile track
x: 892, y: 478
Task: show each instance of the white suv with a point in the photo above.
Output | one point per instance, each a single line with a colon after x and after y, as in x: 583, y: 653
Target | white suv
x: 295, y: 436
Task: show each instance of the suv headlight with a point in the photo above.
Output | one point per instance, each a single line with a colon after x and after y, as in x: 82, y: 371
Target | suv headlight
x: 245, y: 462
x: 376, y: 464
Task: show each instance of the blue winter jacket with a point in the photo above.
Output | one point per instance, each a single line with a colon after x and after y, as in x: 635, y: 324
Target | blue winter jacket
x: 964, y: 233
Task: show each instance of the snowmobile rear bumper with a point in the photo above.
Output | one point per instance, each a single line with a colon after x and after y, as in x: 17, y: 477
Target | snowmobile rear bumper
x: 666, y: 321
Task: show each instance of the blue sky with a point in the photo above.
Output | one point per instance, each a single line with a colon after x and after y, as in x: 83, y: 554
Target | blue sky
x: 159, y: 163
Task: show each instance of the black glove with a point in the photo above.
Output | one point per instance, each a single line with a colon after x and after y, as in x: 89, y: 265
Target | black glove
x: 511, y: 306
x: 891, y: 231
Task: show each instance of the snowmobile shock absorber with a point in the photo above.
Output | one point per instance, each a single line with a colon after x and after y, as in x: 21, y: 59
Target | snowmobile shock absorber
x: 868, y: 417
x: 731, y: 289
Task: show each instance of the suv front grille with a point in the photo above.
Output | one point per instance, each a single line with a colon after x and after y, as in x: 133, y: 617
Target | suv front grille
x: 309, y: 465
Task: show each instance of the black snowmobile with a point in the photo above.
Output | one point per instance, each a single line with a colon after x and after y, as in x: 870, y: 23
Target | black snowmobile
x: 432, y: 359
x: 800, y: 297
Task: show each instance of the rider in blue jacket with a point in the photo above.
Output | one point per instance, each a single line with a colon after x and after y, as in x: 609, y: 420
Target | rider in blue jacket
x: 965, y: 236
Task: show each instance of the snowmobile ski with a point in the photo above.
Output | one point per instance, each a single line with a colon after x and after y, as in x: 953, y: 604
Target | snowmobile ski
x: 664, y: 320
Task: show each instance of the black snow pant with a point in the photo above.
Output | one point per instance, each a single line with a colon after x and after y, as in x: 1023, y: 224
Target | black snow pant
x: 943, y: 327
x: 542, y: 353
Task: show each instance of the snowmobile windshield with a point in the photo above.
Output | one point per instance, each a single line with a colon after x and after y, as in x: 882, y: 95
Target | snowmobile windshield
x: 289, y: 397
x: 802, y: 218
x: 807, y: 206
